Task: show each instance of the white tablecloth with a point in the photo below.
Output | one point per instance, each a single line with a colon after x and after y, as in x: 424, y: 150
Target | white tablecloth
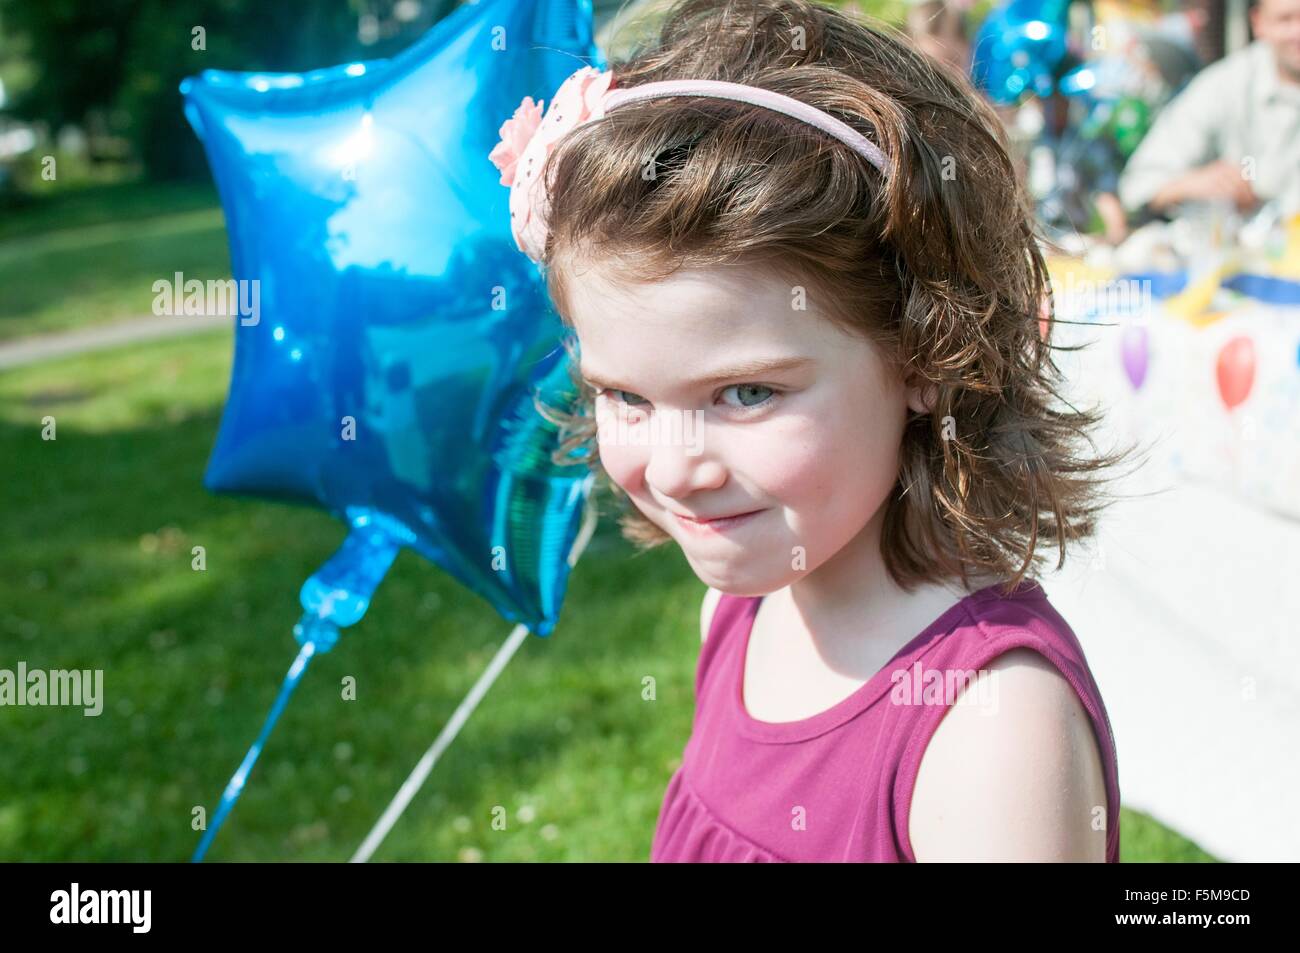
x: 1188, y: 602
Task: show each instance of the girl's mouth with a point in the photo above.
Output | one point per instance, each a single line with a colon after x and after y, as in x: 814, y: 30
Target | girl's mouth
x: 714, y: 526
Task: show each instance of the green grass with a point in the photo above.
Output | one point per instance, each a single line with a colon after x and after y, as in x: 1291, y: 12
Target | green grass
x: 97, y: 557
x: 90, y: 256
x: 101, y: 522
x: 116, y: 204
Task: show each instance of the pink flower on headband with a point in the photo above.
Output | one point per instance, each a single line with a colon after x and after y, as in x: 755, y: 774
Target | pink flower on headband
x: 515, y: 133
x: 527, y: 139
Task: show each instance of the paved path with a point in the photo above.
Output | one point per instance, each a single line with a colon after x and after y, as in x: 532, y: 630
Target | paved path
x: 50, y: 346
x: 1189, y: 623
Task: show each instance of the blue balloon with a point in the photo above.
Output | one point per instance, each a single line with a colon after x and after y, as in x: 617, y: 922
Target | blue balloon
x: 1019, y: 48
x: 391, y: 338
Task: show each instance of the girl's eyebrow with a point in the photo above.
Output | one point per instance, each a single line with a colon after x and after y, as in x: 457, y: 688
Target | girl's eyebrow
x: 745, y: 370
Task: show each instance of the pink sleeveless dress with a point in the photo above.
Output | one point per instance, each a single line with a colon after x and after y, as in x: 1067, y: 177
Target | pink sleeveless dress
x: 851, y: 768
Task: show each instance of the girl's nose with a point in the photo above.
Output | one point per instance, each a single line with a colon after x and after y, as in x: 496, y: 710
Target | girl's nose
x: 677, y: 469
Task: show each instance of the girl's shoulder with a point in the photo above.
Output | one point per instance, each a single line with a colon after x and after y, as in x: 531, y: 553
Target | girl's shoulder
x: 1020, y: 763
x: 1016, y: 779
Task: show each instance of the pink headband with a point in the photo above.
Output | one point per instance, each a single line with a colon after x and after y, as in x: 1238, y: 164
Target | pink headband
x: 527, y: 138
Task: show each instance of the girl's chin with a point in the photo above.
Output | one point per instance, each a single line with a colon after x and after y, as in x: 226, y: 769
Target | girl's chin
x: 741, y: 578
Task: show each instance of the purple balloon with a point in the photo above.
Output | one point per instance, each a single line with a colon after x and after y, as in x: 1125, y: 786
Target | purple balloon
x: 1133, y: 347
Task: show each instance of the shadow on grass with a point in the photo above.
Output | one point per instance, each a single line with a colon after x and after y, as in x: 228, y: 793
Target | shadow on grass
x: 98, y: 546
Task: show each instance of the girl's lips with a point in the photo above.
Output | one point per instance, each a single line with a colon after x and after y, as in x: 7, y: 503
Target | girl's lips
x: 712, y: 527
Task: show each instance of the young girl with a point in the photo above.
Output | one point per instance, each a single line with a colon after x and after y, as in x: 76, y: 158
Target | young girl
x: 813, y: 350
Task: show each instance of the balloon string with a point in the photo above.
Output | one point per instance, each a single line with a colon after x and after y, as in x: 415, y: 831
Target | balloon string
x: 445, y: 737
x: 420, y: 773
x: 236, y: 785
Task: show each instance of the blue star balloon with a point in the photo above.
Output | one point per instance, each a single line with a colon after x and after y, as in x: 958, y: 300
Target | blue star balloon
x: 1019, y: 47
x: 391, y: 337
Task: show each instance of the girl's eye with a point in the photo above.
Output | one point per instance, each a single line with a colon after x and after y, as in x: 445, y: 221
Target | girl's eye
x: 622, y: 397
x: 750, y: 396
x: 752, y: 392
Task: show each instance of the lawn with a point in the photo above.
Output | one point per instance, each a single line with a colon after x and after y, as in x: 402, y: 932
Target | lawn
x: 97, y: 575
x: 91, y: 255
x: 97, y: 557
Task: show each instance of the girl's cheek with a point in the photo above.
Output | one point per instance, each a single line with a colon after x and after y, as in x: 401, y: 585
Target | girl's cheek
x: 624, y: 464
x: 788, y: 460
x: 793, y: 459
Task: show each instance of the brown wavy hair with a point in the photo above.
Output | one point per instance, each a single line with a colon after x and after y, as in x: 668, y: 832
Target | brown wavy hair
x: 937, y: 262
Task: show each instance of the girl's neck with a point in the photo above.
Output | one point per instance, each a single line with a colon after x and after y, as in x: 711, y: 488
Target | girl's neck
x: 852, y: 596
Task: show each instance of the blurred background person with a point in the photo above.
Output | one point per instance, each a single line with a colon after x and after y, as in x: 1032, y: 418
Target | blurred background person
x: 1233, y: 134
x: 939, y: 28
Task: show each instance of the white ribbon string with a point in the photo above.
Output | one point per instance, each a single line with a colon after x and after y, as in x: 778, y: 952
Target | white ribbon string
x: 417, y: 777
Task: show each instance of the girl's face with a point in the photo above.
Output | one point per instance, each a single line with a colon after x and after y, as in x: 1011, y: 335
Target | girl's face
x: 719, y: 393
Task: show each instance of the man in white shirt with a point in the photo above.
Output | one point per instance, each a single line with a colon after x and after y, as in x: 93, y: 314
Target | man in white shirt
x: 1234, y: 132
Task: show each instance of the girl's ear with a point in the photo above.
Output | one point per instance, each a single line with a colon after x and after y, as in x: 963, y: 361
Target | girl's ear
x: 921, y: 394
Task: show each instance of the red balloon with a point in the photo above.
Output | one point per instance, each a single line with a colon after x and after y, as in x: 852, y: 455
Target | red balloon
x: 1236, y: 370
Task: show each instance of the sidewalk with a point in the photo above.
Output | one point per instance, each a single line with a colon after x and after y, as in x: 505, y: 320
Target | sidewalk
x: 1191, y: 625
x: 47, y: 347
